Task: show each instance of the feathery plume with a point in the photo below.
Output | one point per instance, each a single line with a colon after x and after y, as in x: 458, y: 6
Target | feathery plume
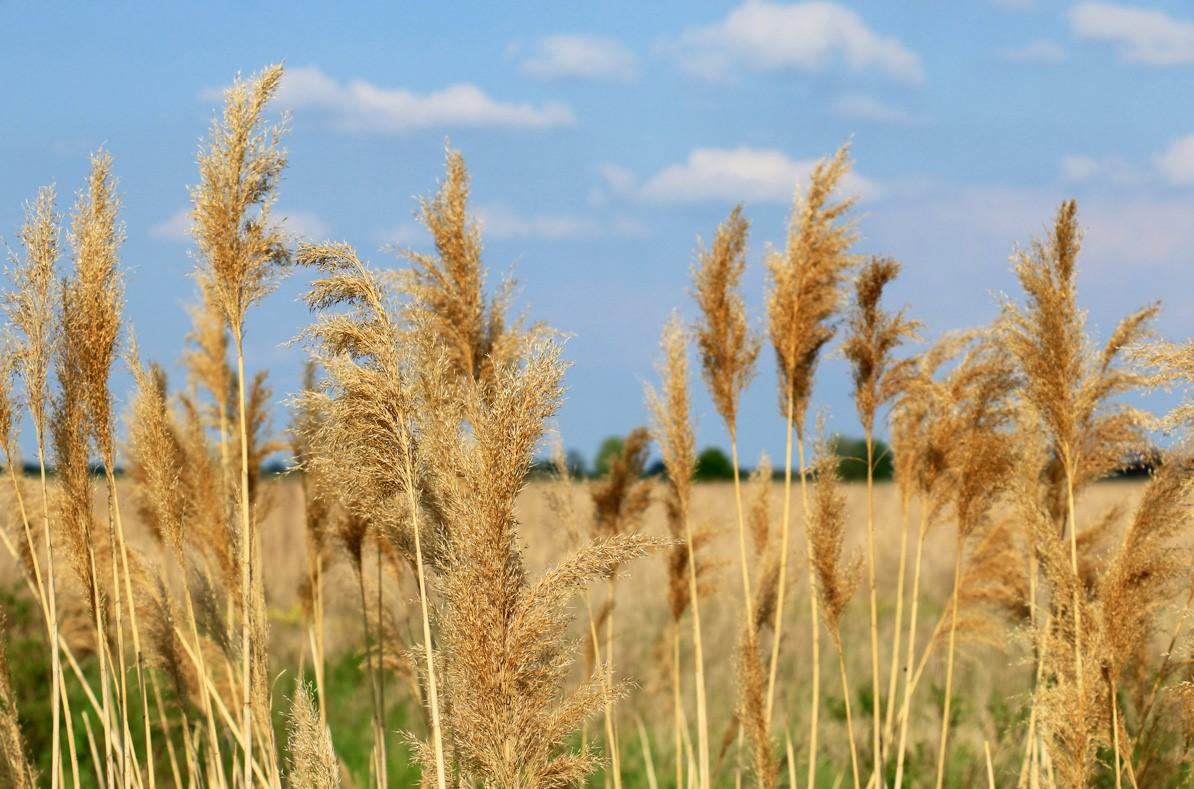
x: 313, y: 763
x: 727, y: 346
x: 806, y: 283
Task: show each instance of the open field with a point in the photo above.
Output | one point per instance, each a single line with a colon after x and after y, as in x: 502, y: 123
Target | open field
x: 428, y: 600
x: 995, y: 679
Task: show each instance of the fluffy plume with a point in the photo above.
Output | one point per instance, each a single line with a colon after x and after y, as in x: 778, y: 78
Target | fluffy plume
x: 313, y: 763
x: 92, y: 299
x: 873, y: 335
x: 1070, y: 385
x: 447, y: 289
x: 30, y: 304
x: 806, y: 280
x: 728, y: 348
x: 620, y: 500
x: 836, y: 581
x: 1174, y: 363
x: 672, y: 426
x: 239, y: 167
x: 1149, y: 566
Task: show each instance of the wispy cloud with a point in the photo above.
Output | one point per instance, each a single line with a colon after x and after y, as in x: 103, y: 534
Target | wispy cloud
x: 1113, y: 170
x: 581, y: 57
x: 1142, y: 35
x: 1176, y: 162
x: 1040, y: 51
x: 303, y: 225
x: 868, y: 108
x: 360, y: 106
x: 752, y: 174
x: 501, y: 222
x: 809, y: 37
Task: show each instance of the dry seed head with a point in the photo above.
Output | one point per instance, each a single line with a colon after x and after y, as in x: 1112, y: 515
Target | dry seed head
x: 240, y: 248
x: 1151, y: 563
x: 447, y: 289
x: 671, y: 423
x: 1065, y: 381
x: 806, y: 282
x: 93, y: 297
x: 1174, y: 362
x: 621, y: 499
x: 158, y: 455
x: 30, y: 305
x: 836, y: 582
x: 872, y: 336
x: 760, y: 506
x: 313, y: 763
x: 728, y: 348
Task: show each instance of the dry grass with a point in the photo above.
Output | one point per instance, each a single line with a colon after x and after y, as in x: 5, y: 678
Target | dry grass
x: 1041, y: 632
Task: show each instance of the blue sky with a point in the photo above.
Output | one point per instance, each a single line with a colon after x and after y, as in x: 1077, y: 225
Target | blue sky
x: 603, y: 139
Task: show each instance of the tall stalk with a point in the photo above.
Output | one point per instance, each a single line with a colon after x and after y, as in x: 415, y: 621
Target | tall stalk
x: 908, y: 686
x: 876, y: 704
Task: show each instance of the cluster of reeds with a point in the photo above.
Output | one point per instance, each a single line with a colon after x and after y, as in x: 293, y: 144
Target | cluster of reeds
x: 422, y: 411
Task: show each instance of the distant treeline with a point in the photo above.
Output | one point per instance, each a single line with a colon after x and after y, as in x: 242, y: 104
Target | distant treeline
x: 713, y: 463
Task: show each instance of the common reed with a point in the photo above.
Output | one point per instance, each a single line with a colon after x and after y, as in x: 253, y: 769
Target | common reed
x: 29, y: 307
x: 239, y: 251
x: 687, y: 568
x: 872, y: 337
x: 837, y: 577
x: 728, y: 348
x: 803, y: 297
x: 619, y: 502
x: 413, y: 447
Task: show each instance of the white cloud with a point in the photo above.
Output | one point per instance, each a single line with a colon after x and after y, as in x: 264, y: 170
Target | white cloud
x: 1142, y: 35
x: 867, y: 108
x: 808, y: 37
x: 500, y: 222
x: 1176, y: 162
x: 1039, y: 51
x: 360, y: 106
x: 297, y: 224
x: 580, y: 56
x: 176, y: 227
x: 750, y: 174
x: 1118, y: 231
x: 1079, y: 168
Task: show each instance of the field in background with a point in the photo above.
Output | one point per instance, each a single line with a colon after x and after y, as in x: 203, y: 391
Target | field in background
x: 990, y: 703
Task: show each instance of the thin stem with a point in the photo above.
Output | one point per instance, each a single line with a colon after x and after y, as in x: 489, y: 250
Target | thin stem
x: 246, y: 575
x: 677, y: 712
x: 949, y: 664
x: 898, y: 630
x: 1115, y: 732
x: 781, y: 589
x: 876, y: 701
x: 605, y: 679
x: 381, y: 676
x: 128, y: 590
x: 615, y: 755
x: 58, y: 699
x: 816, y: 630
x: 920, y: 544
x: 378, y: 735
x: 841, y: 663
x: 746, y: 597
x: 432, y: 688
x: 698, y: 657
